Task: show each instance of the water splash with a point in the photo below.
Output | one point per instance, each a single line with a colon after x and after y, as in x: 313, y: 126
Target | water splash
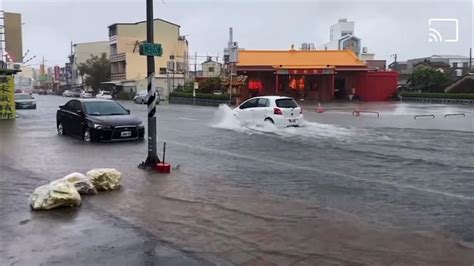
x: 224, y: 118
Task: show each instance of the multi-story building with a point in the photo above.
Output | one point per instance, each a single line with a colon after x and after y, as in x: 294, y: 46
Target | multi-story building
x: 24, y: 80
x: 82, y: 52
x: 211, y: 68
x: 341, y: 37
x: 129, y: 68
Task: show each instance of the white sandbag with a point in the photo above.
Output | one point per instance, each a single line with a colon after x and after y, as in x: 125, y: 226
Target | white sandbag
x: 56, y: 194
x: 105, y: 178
x: 81, y: 183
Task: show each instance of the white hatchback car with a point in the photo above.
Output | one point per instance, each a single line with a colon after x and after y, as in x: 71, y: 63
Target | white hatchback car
x: 278, y: 110
x: 104, y: 95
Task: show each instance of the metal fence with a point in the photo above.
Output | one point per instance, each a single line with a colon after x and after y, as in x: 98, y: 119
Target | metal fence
x: 437, y: 100
x: 196, y: 101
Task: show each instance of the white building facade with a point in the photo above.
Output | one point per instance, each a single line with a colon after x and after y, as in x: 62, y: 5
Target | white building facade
x: 82, y: 52
x: 341, y: 37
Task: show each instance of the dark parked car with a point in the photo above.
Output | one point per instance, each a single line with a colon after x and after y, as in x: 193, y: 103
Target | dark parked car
x: 24, y: 101
x: 98, y: 120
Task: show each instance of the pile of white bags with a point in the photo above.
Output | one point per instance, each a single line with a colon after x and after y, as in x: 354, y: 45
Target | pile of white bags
x: 105, y: 178
x: 65, y: 192
x: 83, y: 185
x: 56, y: 194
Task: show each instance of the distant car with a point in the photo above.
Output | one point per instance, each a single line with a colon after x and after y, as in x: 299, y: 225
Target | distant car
x: 142, y: 97
x: 104, y: 95
x: 281, y: 111
x: 87, y: 94
x: 76, y: 93
x: 98, y: 120
x: 68, y: 93
x: 24, y: 101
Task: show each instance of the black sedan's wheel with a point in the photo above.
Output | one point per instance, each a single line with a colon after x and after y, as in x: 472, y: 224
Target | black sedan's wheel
x: 87, y: 135
x: 60, y: 129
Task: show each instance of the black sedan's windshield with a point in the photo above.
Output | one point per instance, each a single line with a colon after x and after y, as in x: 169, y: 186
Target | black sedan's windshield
x: 104, y: 108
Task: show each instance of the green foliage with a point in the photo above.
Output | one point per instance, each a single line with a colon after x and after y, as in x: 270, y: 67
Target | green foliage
x: 427, y: 79
x: 438, y: 95
x: 96, y: 70
x: 210, y: 85
x: 188, y: 87
x: 200, y: 95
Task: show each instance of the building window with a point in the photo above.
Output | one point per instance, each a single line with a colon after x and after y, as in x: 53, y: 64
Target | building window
x: 180, y: 67
x: 210, y: 69
x: 113, y: 30
x: 465, y: 65
x: 455, y: 65
x: 162, y: 70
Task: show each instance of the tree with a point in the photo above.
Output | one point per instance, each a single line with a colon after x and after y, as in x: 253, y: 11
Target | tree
x: 210, y: 85
x: 427, y: 79
x: 96, y: 70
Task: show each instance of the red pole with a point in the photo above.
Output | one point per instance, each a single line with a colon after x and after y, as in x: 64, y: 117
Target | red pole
x: 276, y: 89
x: 333, y: 83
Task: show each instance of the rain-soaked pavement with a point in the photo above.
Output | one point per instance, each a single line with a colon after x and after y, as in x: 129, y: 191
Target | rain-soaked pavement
x: 342, y: 190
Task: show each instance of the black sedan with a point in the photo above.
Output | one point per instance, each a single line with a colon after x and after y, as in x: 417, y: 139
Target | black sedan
x: 98, y: 120
x: 24, y: 101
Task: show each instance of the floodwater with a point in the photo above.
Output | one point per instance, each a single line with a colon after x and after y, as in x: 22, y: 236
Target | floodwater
x: 341, y: 190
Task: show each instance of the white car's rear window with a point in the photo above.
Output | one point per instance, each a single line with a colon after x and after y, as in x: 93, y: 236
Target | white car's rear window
x: 286, y: 103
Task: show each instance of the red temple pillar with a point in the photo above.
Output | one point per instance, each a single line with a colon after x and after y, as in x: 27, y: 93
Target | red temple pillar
x: 276, y: 82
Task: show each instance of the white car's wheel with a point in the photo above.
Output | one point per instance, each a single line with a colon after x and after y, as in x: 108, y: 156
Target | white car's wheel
x: 269, y: 120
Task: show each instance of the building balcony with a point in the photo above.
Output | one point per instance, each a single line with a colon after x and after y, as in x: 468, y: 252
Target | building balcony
x: 118, y: 76
x: 117, y: 57
x: 113, y: 39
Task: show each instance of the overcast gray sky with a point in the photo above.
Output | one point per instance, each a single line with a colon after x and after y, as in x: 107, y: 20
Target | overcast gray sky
x: 385, y: 27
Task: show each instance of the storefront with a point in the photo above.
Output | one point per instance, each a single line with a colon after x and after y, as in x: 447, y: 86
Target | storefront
x: 311, y: 76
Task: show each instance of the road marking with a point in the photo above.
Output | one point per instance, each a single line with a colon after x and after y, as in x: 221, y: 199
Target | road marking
x: 307, y: 168
x: 187, y: 118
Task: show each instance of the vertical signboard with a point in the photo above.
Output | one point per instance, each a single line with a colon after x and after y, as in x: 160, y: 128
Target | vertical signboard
x: 68, y: 73
x: 7, y: 98
x: 57, y: 75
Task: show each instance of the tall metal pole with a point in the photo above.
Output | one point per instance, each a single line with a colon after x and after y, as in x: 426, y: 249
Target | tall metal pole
x: 470, y: 59
x: 152, y: 159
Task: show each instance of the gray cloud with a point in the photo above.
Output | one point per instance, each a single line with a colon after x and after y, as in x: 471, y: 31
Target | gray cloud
x: 386, y: 27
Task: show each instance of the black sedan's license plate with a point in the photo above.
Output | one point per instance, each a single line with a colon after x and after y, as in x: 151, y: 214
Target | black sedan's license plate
x: 126, y: 134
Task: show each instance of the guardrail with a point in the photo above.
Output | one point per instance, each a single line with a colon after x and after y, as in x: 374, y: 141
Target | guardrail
x: 357, y: 113
x: 461, y: 114
x: 437, y: 100
x: 416, y: 116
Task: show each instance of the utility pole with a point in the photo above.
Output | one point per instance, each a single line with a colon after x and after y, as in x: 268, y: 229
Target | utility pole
x: 470, y: 59
x: 195, y: 64
x: 152, y: 159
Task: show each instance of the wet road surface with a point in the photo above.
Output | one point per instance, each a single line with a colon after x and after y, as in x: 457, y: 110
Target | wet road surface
x: 341, y: 190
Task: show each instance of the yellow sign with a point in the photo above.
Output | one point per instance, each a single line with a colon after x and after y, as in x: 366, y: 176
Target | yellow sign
x: 7, y: 98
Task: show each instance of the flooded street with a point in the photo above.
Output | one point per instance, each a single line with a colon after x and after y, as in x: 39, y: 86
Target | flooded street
x: 342, y: 190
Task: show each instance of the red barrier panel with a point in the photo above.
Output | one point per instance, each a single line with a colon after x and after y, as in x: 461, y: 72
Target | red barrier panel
x: 377, y: 86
